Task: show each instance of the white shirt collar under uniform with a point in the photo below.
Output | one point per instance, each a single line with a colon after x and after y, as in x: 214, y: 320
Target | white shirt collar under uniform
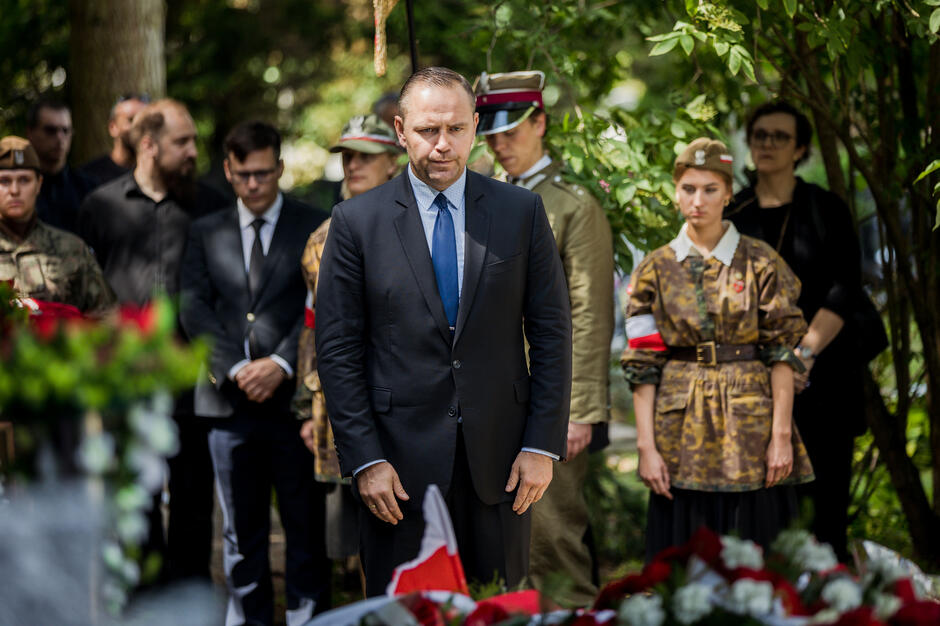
x: 523, y: 179
x: 724, y: 251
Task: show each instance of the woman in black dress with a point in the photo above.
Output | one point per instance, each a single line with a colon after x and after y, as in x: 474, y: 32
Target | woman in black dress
x: 813, y: 231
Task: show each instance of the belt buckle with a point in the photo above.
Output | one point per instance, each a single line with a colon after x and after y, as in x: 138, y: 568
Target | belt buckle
x: 706, y: 355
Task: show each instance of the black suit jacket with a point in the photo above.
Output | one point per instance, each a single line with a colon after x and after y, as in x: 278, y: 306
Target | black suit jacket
x: 216, y: 302
x: 394, y: 380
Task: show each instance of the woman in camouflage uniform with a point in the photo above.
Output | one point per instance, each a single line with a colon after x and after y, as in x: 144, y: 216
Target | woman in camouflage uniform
x: 711, y: 322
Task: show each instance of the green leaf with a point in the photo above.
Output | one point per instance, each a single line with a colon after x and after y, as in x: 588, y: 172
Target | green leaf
x: 790, y: 7
x: 721, y: 48
x: 734, y: 62
x: 663, y: 47
x: 688, y: 43
x: 935, y: 21
x: 625, y: 194
x: 664, y: 36
x: 749, y: 69
x: 677, y: 130
x: 762, y: 4
x: 933, y: 167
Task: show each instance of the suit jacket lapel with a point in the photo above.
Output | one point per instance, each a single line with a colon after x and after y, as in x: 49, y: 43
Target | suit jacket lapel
x: 229, y: 238
x: 285, y: 223
x: 475, y: 240
x: 415, y: 244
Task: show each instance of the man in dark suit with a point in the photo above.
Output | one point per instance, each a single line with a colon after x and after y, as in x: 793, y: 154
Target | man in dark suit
x: 242, y: 287
x: 427, y: 284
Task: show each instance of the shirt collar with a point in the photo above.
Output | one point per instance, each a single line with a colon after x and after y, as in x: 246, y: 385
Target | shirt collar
x: 246, y: 217
x: 724, y: 251
x: 539, y: 165
x: 425, y: 194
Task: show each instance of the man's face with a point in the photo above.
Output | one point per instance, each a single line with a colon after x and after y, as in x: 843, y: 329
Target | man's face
x: 437, y: 130
x: 363, y: 171
x: 124, y: 114
x: 176, y: 148
x: 255, y: 179
x: 18, y: 192
x: 52, y: 138
x: 517, y: 149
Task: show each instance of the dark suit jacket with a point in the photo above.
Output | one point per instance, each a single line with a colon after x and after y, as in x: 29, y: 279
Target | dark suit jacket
x: 395, y: 383
x: 215, y: 300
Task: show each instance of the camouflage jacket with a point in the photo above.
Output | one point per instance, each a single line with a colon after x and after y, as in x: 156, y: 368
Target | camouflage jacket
x: 585, y: 243
x: 309, y: 401
x: 712, y: 425
x: 54, y: 265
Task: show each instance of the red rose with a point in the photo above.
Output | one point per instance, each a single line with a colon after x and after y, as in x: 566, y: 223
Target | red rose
x: 904, y: 589
x: 144, y: 317
x: 425, y: 611
x: 917, y: 613
x: 656, y: 572
x: 485, y: 614
x: 862, y: 616
x: 706, y: 545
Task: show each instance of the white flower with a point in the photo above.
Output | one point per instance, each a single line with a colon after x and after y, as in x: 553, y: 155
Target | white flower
x: 888, y: 570
x: 133, y: 498
x: 741, y: 553
x: 842, y: 594
x: 692, y: 602
x: 641, y: 610
x: 96, y: 453
x: 132, y: 528
x: 156, y: 429
x: 816, y: 557
x: 886, y: 605
x: 751, y: 597
x: 150, y: 467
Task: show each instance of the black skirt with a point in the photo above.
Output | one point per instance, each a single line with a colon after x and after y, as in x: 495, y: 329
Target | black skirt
x: 756, y: 515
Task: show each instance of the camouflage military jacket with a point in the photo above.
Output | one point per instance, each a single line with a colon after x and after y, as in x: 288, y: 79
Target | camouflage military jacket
x: 54, y: 265
x: 585, y: 243
x: 309, y: 401
x: 712, y: 425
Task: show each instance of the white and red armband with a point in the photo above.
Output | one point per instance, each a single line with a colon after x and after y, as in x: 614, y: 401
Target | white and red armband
x: 642, y: 333
x: 310, y: 317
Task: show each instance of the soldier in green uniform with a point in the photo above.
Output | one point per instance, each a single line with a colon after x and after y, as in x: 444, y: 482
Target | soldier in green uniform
x: 43, y: 262
x: 513, y: 120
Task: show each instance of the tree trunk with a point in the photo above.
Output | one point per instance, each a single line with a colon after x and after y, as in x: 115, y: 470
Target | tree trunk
x: 116, y: 48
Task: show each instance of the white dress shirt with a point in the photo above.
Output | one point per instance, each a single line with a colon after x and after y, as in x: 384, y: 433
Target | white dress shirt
x: 245, y: 219
x: 723, y: 251
x: 456, y: 203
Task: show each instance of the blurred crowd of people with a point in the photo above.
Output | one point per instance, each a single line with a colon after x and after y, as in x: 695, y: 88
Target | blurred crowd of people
x: 721, y: 336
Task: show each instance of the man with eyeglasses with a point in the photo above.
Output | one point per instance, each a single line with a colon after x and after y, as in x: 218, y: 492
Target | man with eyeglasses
x: 137, y: 226
x: 242, y: 288
x: 120, y: 159
x: 49, y: 131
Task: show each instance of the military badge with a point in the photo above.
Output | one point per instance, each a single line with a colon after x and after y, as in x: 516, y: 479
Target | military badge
x: 18, y: 157
x: 700, y: 157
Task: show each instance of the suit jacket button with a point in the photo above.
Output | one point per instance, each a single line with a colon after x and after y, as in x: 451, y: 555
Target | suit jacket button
x: 452, y: 411
x: 456, y: 364
x: 250, y: 317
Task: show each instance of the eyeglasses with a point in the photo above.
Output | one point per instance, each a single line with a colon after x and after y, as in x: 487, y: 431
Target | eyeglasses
x: 777, y: 138
x: 260, y: 176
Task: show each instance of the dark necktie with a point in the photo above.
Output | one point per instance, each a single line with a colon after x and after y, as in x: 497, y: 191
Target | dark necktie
x: 444, y: 257
x: 256, y: 260
x: 255, y: 263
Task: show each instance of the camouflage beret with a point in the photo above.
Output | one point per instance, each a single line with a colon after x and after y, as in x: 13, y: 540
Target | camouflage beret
x: 369, y: 134
x: 704, y: 154
x: 17, y: 154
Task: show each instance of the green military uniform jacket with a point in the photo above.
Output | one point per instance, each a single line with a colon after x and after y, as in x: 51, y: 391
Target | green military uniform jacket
x: 585, y: 243
x: 56, y: 266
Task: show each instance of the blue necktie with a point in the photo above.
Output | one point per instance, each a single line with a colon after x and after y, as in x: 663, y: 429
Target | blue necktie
x: 444, y: 257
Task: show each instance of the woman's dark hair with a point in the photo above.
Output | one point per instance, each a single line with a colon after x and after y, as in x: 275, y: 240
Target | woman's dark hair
x: 804, y: 130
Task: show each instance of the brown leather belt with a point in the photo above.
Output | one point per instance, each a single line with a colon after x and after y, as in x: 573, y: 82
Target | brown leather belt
x: 710, y: 354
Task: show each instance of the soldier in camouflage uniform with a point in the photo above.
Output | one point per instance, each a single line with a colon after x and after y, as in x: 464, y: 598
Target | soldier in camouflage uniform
x: 711, y: 323
x: 370, y: 152
x: 513, y: 120
x: 43, y: 262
